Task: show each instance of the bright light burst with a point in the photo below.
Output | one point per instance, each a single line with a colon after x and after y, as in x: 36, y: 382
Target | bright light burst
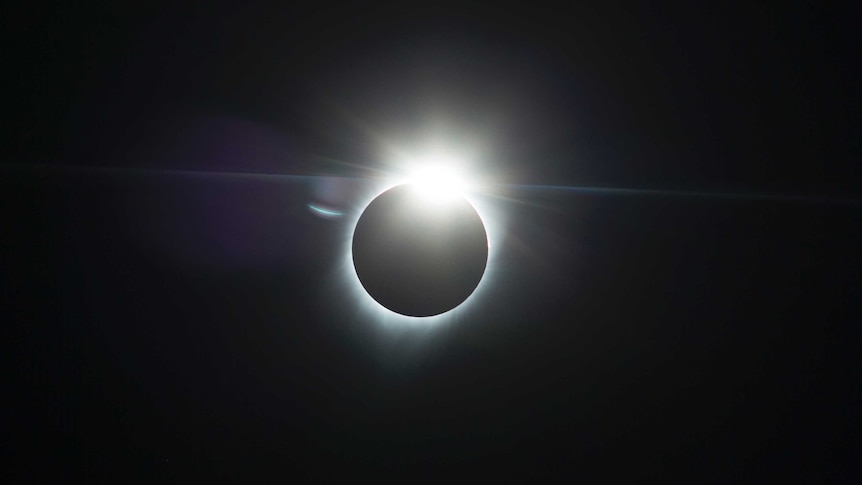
x: 438, y: 180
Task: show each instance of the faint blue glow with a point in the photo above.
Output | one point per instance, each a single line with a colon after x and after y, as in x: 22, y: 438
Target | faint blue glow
x: 325, y: 212
x: 369, y: 309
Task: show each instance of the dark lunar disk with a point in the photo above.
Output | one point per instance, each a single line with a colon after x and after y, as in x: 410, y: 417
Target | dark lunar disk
x: 419, y: 256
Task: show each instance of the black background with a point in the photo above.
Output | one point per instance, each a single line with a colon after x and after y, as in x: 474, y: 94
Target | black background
x: 625, y: 337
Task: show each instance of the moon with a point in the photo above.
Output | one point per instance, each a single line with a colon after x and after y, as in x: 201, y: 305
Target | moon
x: 419, y: 254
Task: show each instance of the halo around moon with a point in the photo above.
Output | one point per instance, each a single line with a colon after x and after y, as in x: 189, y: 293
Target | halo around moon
x: 419, y: 255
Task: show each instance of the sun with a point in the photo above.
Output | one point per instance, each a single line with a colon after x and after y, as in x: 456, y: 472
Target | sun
x: 439, y: 179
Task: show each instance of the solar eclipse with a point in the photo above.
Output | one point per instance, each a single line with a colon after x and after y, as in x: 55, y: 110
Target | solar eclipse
x: 420, y: 249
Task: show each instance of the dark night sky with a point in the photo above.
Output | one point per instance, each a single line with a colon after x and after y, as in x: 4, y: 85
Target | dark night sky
x: 173, y: 327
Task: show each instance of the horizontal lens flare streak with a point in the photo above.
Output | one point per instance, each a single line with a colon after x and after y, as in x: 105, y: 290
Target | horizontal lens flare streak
x: 611, y: 191
x: 483, y: 197
x: 851, y: 200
